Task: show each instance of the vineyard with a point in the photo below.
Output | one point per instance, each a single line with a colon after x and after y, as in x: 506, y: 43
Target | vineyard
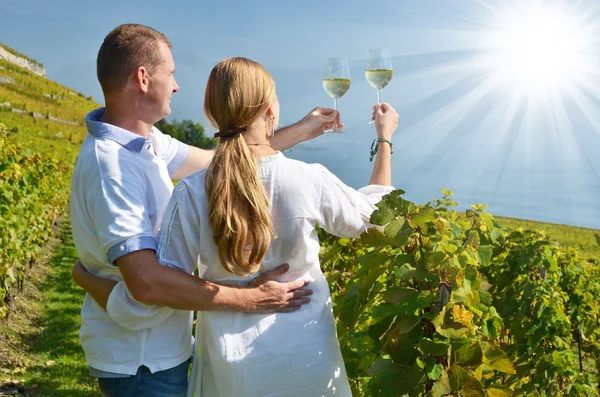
x: 432, y: 302
x: 41, y: 127
x: 438, y: 302
x: 34, y: 192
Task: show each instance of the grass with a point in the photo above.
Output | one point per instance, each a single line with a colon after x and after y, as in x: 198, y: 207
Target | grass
x: 40, y: 353
x: 587, y: 241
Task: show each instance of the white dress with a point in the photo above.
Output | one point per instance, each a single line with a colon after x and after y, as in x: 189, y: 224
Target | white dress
x: 270, y: 355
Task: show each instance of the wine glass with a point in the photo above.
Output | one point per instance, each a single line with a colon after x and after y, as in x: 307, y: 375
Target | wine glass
x: 336, y: 82
x: 379, y: 69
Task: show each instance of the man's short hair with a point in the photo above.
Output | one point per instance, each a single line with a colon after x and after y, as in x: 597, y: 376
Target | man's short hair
x: 124, y: 49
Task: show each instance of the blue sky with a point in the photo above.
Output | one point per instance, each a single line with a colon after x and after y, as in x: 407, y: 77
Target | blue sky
x: 469, y: 122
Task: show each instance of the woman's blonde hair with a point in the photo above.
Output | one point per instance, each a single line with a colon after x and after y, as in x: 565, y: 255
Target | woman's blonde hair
x: 238, y: 92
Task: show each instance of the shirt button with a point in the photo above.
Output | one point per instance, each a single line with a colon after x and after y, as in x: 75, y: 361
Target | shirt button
x: 122, y: 248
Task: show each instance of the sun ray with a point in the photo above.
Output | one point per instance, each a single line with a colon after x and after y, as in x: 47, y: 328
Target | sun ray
x: 574, y: 112
x: 509, y: 117
x: 437, y: 103
x: 444, y: 153
x: 501, y: 106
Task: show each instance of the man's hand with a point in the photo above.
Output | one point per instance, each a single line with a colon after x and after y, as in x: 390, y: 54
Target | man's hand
x: 316, y: 122
x: 270, y: 296
x: 311, y: 126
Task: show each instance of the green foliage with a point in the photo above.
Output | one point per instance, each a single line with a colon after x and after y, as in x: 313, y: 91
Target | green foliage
x: 36, y: 160
x: 188, y: 132
x: 436, y: 302
x: 587, y: 241
x: 551, y: 314
x: 34, y: 192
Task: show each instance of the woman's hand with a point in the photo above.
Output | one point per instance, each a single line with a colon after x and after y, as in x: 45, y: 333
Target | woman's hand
x: 78, y: 273
x: 386, y: 120
x: 98, y: 288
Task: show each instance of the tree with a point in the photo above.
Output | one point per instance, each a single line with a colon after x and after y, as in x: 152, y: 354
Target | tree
x: 188, y: 132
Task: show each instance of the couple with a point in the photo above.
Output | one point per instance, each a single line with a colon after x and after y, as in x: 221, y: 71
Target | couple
x: 238, y: 214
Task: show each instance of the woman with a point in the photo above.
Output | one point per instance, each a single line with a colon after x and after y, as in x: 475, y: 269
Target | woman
x: 241, y: 217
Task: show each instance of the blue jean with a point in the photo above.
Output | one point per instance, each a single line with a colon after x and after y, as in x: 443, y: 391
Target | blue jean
x: 168, y: 383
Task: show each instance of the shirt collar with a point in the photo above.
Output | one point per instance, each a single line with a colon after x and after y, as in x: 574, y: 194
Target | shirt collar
x: 100, y: 130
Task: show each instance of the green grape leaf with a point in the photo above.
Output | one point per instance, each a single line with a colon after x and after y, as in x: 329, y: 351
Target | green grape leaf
x: 406, y: 324
x: 373, y: 237
x: 485, y: 254
x: 458, y: 377
x: 473, y: 388
x: 459, y: 296
x: 371, y: 261
x: 422, y: 218
x: 471, y: 278
x: 389, y: 205
x: 428, y: 346
x: 495, y: 234
x: 401, y: 237
x: 498, y: 360
x: 402, y: 352
x: 452, y: 330
x: 382, y: 216
x: 436, y: 258
x: 433, y: 369
x: 467, y: 354
x: 381, y: 324
x: 394, y: 227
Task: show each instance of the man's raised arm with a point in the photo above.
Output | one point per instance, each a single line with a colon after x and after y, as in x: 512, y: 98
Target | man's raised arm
x: 313, y: 125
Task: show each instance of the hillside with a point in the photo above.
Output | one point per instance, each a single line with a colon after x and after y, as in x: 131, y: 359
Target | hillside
x: 40, y: 114
x: 22, y: 60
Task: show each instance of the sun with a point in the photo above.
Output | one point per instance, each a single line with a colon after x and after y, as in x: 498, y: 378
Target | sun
x: 538, y: 48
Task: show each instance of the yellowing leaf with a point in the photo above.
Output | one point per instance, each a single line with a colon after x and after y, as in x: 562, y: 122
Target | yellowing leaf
x: 442, y: 386
x: 463, y: 316
x: 496, y: 393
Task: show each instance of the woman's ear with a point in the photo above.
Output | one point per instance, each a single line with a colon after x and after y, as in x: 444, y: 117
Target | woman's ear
x: 270, y: 110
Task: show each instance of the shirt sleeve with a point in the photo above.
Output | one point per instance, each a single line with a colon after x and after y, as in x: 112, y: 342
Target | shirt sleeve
x: 118, y: 211
x: 346, y: 212
x: 175, y: 152
x: 177, y: 248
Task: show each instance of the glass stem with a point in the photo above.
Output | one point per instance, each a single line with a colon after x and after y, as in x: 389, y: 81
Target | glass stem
x: 335, y: 126
x: 378, y: 96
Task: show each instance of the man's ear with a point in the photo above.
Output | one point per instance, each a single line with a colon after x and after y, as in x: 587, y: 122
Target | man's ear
x: 142, y: 78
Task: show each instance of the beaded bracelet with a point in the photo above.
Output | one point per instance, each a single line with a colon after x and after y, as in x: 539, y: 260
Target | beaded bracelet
x: 375, y: 145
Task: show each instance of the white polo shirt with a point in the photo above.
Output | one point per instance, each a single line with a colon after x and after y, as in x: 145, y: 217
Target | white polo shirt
x: 119, y: 192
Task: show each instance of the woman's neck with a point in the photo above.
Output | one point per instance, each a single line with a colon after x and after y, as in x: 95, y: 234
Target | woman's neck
x: 262, y: 149
x: 257, y: 140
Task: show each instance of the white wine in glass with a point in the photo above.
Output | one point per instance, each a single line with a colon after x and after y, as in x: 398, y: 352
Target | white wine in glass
x: 379, y: 69
x: 336, y: 82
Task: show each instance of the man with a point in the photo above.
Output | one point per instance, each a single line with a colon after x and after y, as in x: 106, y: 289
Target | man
x: 120, y: 188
